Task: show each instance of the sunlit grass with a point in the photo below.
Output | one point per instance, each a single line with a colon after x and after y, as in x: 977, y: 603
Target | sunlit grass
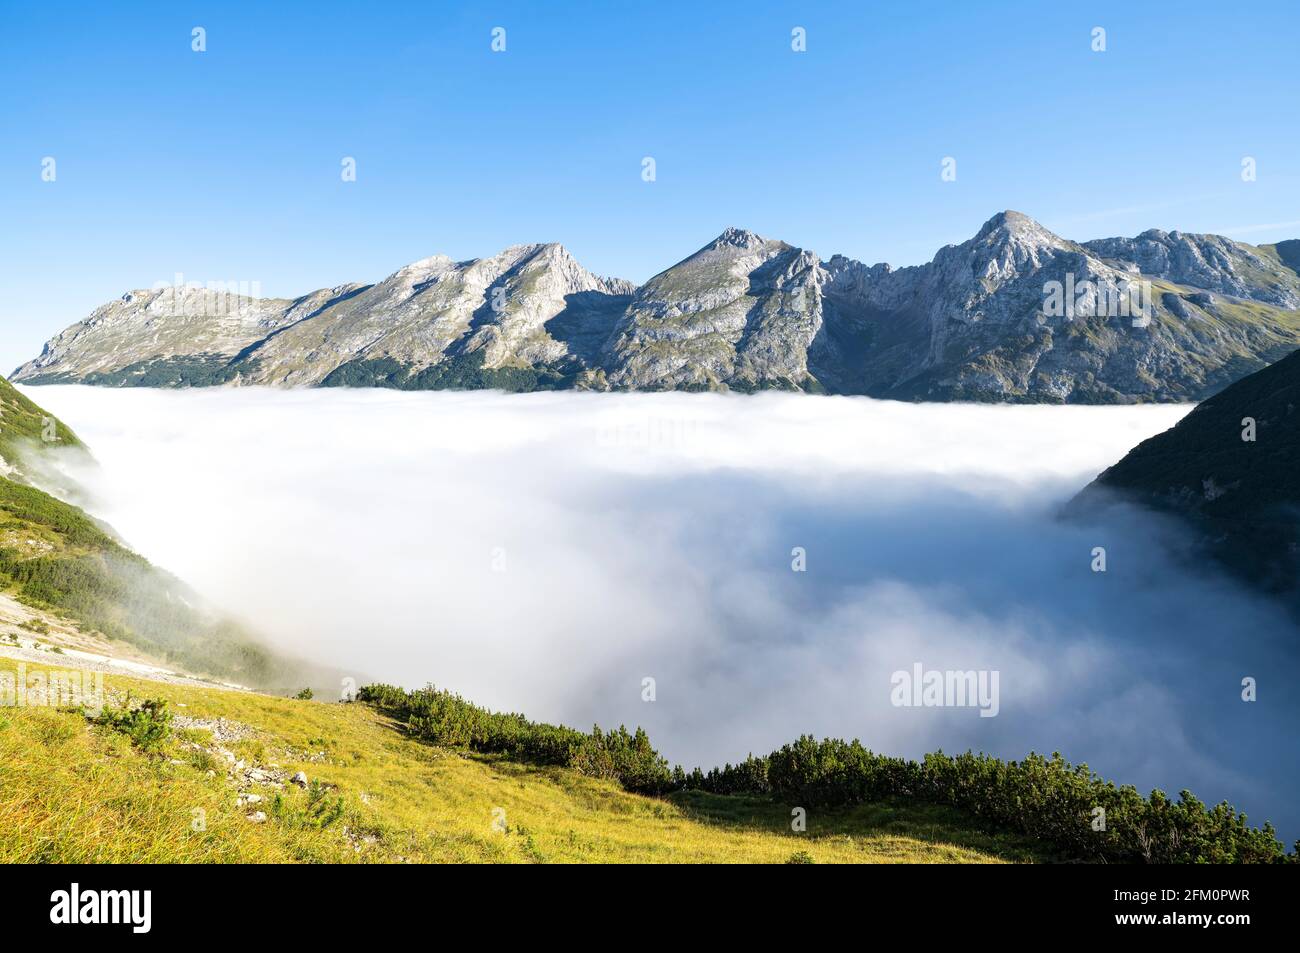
x: 73, y: 792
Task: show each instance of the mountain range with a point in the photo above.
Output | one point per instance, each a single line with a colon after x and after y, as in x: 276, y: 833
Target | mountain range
x: 1016, y: 313
x: 369, y: 781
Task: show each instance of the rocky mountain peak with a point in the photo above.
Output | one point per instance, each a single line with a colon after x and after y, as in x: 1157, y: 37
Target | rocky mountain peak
x: 1009, y: 246
x: 1008, y: 220
x: 422, y: 270
x: 737, y: 238
x: 537, y: 251
x: 1016, y: 228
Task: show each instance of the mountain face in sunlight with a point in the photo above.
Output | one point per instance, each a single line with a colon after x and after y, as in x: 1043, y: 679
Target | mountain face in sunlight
x: 1015, y: 314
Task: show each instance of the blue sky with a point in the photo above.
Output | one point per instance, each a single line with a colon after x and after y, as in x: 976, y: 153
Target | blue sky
x: 225, y: 165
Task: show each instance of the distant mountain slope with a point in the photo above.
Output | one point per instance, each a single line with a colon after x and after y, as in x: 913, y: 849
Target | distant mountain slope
x: 1241, y: 496
x: 57, y: 559
x: 1016, y: 313
x: 1211, y: 262
x: 740, y: 313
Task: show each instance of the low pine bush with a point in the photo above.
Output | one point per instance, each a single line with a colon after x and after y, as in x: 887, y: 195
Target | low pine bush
x: 1066, y: 807
x: 318, y: 810
x: 1078, y: 814
x: 445, y: 718
x: 147, y: 725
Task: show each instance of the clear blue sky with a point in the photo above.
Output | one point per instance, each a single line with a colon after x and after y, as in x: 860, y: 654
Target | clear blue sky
x: 225, y: 165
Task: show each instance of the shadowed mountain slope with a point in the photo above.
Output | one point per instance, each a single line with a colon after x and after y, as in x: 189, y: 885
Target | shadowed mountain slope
x: 1231, y: 471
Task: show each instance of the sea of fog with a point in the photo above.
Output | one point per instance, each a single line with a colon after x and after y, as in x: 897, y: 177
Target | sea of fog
x: 550, y: 553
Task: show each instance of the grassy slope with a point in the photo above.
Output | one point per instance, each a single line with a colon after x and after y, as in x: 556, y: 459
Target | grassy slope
x: 57, y: 559
x: 70, y: 792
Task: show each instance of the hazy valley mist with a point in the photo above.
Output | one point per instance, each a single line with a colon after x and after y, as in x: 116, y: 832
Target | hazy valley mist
x: 546, y: 553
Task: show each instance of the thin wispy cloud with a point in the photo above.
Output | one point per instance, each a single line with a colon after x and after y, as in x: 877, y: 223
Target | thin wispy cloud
x: 1145, y: 208
x: 1263, y: 227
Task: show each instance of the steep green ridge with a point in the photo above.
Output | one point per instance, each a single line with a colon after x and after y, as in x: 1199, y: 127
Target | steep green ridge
x: 1241, y: 496
x: 56, y: 558
x: 24, y: 426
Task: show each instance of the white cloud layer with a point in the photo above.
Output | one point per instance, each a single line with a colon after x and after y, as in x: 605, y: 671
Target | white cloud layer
x: 546, y: 552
